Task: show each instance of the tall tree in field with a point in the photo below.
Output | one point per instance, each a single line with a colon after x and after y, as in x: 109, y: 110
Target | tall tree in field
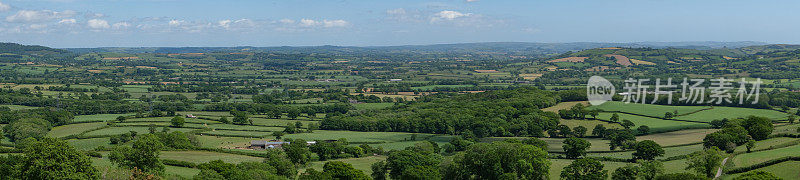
x: 706, y: 162
x: 142, y: 155
x: 177, y: 121
x: 614, y: 117
x: 55, y: 159
x: 579, y: 131
x: 647, y: 150
x: 575, y: 147
x: 584, y: 169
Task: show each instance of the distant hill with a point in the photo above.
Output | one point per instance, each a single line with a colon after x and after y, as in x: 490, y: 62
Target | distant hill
x: 29, y: 50
x: 521, y: 48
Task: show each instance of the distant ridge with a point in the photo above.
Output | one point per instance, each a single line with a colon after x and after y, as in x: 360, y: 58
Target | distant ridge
x: 531, y: 48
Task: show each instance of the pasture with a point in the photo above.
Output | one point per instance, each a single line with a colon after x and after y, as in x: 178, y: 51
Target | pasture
x: 646, y: 109
x: 656, y: 125
x: 748, y: 159
x: 206, y: 156
x: 718, y: 112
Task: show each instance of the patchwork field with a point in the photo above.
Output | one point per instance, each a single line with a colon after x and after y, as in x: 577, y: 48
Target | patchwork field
x: 732, y: 113
x: 646, y: 109
x: 784, y: 170
x: 748, y: 159
x: 656, y: 125
x: 205, y: 156
x: 73, y: 129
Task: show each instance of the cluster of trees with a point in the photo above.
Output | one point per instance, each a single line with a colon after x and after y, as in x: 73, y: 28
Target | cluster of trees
x: 493, y: 113
x: 87, y: 105
x: 578, y: 111
x: 276, y: 166
x: 278, y: 110
x: 339, y: 149
x: 48, y: 158
x: 738, y: 132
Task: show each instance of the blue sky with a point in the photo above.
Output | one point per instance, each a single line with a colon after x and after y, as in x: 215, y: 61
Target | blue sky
x: 128, y: 23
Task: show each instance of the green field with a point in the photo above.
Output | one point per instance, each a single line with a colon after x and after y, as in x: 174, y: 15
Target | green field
x: 205, y: 156
x: 768, y: 143
x: 123, y: 130
x: 646, y: 109
x: 89, y: 144
x: 73, y: 129
x: 748, y: 159
x: 731, y: 113
x: 656, y: 125
x: 238, y: 133
x: 786, y: 170
x: 98, y: 117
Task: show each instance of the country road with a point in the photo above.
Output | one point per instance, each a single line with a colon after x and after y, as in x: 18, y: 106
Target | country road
x: 719, y: 171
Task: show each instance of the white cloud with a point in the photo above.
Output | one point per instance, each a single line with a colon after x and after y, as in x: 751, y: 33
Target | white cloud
x: 324, y: 23
x: 38, y: 16
x: 98, y: 24
x: 286, y: 21
x: 225, y: 23
x: 175, y: 22
x: 308, y: 22
x: 67, y: 21
x: 334, y: 23
x: 472, y: 0
x: 121, y: 25
x: 4, y: 7
x: 448, y: 15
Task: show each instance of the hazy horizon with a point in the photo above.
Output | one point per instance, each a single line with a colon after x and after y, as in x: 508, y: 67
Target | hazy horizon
x: 205, y: 23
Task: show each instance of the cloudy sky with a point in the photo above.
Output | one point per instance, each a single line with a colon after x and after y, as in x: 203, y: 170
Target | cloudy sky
x: 127, y: 23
